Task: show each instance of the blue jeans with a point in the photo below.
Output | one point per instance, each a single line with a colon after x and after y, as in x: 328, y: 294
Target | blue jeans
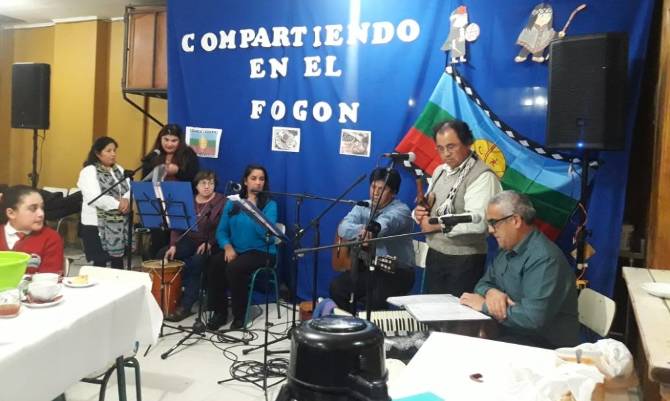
x: 193, y: 264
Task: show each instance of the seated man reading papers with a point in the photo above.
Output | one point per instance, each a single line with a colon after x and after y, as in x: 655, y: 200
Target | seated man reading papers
x: 529, y: 288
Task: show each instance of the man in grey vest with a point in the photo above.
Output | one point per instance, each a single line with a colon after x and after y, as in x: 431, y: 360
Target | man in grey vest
x: 462, y: 184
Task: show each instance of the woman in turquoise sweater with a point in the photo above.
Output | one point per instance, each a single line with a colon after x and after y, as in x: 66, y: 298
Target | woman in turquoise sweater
x: 245, y: 249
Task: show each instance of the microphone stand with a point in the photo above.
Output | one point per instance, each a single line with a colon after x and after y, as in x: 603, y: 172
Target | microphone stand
x: 368, y: 241
x: 315, y: 224
x: 372, y: 248
x: 199, y: 327
x: 298, y: 233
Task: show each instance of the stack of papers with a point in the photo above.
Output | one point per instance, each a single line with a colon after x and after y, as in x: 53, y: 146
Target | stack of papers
x: 436, y: 308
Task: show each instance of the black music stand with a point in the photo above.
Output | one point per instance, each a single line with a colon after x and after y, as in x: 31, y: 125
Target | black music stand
x: 273, y: 234
x: 164, y: 205
x: 298, y: 233
x: 198, y: 328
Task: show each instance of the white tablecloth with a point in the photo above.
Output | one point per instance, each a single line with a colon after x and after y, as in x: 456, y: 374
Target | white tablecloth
x: 45, y: 351
x: 444, y: 363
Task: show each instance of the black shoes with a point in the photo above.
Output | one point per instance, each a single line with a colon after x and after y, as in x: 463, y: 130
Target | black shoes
x: 179, y: 314
x: 237, y: 324
x: 217, y: 320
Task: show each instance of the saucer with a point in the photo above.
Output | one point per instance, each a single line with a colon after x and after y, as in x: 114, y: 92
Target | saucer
x: 38, y: 305
x: 69, y: 283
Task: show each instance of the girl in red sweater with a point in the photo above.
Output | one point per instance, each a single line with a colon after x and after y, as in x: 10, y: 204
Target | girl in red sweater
x: 22, y: 229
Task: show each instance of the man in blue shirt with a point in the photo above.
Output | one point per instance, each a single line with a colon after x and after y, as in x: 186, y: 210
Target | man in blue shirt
x: 529, y: 288
x: 393, y: 217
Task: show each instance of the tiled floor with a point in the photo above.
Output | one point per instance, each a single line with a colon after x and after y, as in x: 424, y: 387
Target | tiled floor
x: 191, y: 373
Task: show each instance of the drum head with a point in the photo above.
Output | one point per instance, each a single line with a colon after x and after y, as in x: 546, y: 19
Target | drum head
x: 155, y: 264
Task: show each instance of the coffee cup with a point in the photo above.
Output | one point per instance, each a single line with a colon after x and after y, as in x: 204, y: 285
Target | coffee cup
x: 45, y: 278
x: 44, y: 291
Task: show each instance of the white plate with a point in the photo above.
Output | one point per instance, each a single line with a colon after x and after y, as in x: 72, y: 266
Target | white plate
x: 658, y: 289
x: 58, y: 300
x: 68, y: 283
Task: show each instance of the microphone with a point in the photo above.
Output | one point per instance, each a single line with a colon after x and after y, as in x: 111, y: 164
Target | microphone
x: 453, y: 219
x: 151, y: 155
x: 235, y: 187
x: 409, y: 156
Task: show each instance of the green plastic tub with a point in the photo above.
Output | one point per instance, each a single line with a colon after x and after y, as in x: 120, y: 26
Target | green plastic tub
x: 12, y: 267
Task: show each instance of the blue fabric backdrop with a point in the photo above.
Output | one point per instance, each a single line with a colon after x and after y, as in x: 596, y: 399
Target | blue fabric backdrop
x: 391, y: 82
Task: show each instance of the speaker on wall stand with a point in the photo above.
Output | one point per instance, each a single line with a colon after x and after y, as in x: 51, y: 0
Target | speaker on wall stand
x: 30, y: 102
x: 587, y: 93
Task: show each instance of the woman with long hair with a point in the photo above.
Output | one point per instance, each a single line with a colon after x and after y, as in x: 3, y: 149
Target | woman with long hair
x: 22, y: 229
x: 245, y: 249
x: 180, y: 161
x: 104, y: 224
x: 176, y: 162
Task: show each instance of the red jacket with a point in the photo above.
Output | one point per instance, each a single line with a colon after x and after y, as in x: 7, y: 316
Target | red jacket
x: 45, y: 246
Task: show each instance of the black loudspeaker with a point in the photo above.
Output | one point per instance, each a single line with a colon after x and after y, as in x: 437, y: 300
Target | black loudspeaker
x: 30, y: 95
x: 587, y: 92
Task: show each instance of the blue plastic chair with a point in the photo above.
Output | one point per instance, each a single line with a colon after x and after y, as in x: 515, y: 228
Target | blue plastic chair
x: 271, y: 271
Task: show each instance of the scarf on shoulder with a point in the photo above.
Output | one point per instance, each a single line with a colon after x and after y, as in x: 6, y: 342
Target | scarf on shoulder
x: 112, y: 225
x: 447, y: 207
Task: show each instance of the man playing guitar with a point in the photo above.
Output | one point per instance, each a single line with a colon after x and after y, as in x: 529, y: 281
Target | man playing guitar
x: 392, y: 217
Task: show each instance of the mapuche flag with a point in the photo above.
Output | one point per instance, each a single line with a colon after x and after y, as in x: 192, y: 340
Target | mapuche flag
x: 550, y: 179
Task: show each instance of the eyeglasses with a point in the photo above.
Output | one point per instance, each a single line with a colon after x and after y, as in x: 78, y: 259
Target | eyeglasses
x: 494, y: 222
x: 449, y: 148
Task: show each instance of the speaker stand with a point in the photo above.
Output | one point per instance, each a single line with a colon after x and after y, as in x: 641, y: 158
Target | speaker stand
x: 34, y: 177
x: 583, y: 198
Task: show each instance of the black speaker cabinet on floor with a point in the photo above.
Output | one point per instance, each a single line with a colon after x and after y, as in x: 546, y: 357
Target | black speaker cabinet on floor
x: 30, y: 95
x: 587, y: 92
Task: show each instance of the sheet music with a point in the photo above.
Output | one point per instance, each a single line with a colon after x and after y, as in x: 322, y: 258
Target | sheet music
x: 258, y: 215
x: 421, y: 299
x: 443, y: 311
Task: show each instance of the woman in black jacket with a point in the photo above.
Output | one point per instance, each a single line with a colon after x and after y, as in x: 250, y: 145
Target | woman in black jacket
x: 179, y: 160
x: 180, y: 164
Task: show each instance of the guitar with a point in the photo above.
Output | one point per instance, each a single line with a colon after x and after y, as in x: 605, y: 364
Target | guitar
x: 386, y: 263
x: 341, y: 259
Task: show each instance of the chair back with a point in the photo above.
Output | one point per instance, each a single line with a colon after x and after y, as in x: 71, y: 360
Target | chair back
x: 420, y: 251
x: 596, y: 311
x: 56, y: 190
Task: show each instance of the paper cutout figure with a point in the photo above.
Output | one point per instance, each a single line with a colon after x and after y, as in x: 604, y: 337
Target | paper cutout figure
x: 459, y: 32
x: 539, y: 32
